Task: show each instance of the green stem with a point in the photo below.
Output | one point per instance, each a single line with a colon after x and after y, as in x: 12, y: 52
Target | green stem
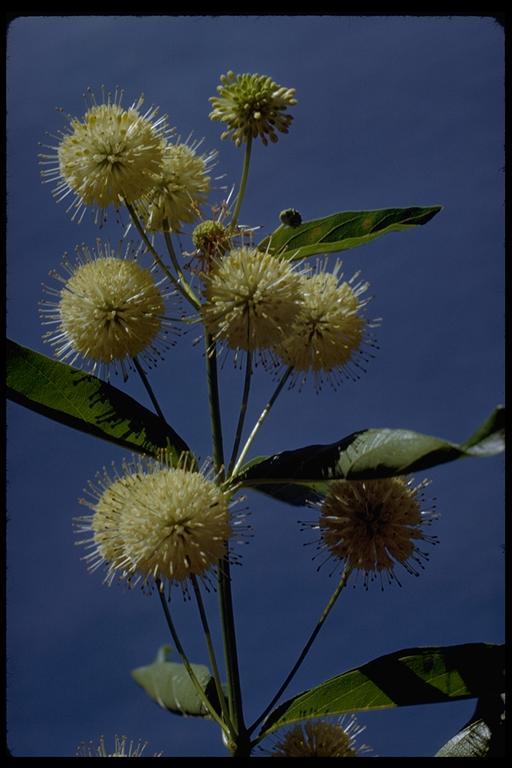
x: 341, y: 584
x: 182, y: 280
x: 149, y: 245
x: 148, y: 388
x: 243, y: 410
x: 243, y: 182
x: 213, y: 398
x: 211, y: 651
x: 261, y: 419
x: 230, y: 649
x: 223, y: 569
x: 197, y: 685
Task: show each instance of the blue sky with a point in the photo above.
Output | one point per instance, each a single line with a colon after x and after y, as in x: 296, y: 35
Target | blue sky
x: 393, y: 111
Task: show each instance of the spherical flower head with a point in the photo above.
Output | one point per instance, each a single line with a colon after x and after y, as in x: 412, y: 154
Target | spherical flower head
x: 252, y: 106
x: 156, y: 522
x: 121, y: 748
x: 107, y: 514
x: 320, y: 738
x: 109, y: 157
x: 180, y: 188
x: 109, y: 310
x: 374, y: 525
x: 211, y: 238
x: 329, y: 328
x: 251, y: 297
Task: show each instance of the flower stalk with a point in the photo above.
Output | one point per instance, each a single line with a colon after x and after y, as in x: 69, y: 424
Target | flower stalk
x: 243, y: 182
x: 321, y: 621
x: 186, y: 663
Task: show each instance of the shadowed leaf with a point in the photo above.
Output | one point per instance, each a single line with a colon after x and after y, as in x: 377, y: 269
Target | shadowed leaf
x: 370, y: 453
x: 411, y: 676
x: 86, y: 403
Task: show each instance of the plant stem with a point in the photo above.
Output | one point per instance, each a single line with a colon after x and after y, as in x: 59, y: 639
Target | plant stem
x: 223, y: 569
x: 197, y: 685
x: 230, y: 649
x: 187, y: 294
x: 182, y: 280
x: 243, y: 410
x: 342, y: 582
x: 213, y: 398
x: 211, y: 651
x: 243, y: 182
x: 148, y: 387
x: 261, y: 419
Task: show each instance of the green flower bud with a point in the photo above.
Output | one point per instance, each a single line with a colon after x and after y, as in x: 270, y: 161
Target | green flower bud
x: 252, y: 106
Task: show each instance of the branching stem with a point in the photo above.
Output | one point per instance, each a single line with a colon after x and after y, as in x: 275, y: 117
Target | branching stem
x: 186, y: 663
x: 187, y: 294
x: 243, y: 410
x: 261, y: 419
x: 211, y: 651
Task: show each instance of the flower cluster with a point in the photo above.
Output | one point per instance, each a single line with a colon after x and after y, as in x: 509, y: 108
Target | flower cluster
x: 252, y: 106
x: 116, y: 156
x: 121, y: 745
x: 155, y: 522
x: 330, y: 327
x: 250, y: 298
x: 310, y: 322
x: 321, y: 738
x: 374, y: 525
x: 108, y: 311
x: 179, y: 188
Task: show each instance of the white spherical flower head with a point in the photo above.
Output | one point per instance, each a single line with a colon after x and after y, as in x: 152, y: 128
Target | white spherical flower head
x: 121, y: 748
x: 109, y: 310
x: 176, y: 525
x: 251, y: 298
x: 155, y: 522
x: 320, y: 738
x: 375, y: 525
x: 179, y: 189
x: 109, y: 157
x: 329, y: 329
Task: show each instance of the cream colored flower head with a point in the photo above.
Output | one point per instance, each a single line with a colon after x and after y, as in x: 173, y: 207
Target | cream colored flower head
x: 321, y: 738
x: 155, y: 522
x: 251, y: 298
x: 109, y: 157
x: 108, y: 310
x: 252, y: 106
x: 121, y: 748
x: 180, y: 188
x: 373, y: 526
x: 329, y: 329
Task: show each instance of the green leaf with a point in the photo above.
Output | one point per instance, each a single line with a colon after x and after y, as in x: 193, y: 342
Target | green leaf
x: 342, y: 231
x: 170, y: 686
x: 411, y: 676
x: 86, y: 403
x: 363, y: 455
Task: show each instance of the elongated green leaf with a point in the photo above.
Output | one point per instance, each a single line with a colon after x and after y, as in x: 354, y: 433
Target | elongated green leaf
x: 86, y: 403
x: 368, y: 454
x: 170, y: 686
x: 412, y: 676
x: 342, y: 231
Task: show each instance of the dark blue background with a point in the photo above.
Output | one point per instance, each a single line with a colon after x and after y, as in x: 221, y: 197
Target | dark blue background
x: 392, y: 112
